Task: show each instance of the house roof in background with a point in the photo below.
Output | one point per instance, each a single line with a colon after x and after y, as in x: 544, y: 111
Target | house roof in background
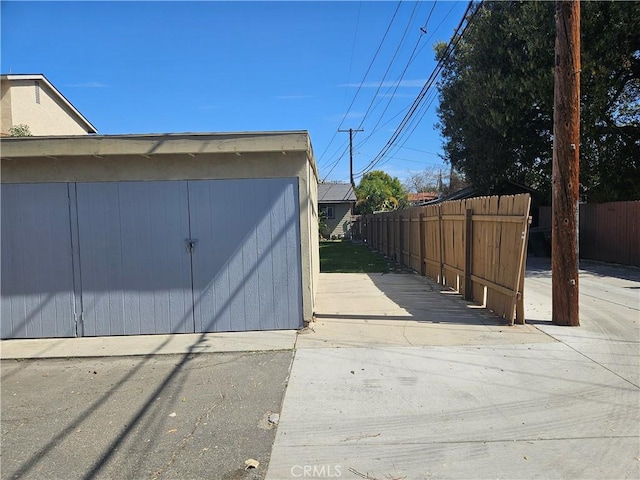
x: 422, y: 197
x: 41, y: 78
x: 335, y: 193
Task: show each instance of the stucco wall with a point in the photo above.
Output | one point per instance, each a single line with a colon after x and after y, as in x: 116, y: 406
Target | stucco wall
x: 6, y: 121
x: 314, y: 237
x: 48, y: 117
x: 101, y: 168
x: 156, y: 167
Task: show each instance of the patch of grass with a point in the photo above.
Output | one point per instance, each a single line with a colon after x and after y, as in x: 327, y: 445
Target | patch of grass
x: 347, y: 257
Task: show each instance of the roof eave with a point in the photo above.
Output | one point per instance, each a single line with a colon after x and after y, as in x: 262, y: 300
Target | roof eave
x: 156, y: 144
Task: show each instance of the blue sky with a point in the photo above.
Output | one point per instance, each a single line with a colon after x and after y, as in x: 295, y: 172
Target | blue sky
x: 157, y: 67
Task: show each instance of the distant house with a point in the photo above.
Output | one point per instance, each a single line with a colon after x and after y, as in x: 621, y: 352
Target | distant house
x: 32, y: 100
x: 336, y: 202
x: 420, y: 198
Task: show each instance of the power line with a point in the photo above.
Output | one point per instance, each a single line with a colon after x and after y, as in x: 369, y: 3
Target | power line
x: 371, y: 64
x: 376, y: 129
x: 353, y: 49
x: 335, y: 163
x: 363, y: 79
x: 413, y: 55
x: 456, y: 38
x: 395, y: 54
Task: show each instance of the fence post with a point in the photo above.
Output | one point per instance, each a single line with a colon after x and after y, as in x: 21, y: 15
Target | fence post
x: 423, y: 246
x: 441, y: 248
x: 400, y: 239
x: 519, y: 299
x: 407, y: 240
x: 468, y: 252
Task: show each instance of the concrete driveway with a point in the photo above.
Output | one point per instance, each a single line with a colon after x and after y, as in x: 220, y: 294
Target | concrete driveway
x: 401, y: 380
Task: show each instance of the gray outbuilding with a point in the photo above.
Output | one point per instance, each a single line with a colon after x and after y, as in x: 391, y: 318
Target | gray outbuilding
x: 151, y: 234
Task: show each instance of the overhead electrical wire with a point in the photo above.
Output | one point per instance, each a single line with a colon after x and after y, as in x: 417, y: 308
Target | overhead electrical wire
x: 393, y: 58
x: 413, y: 55
x: 457, y: 36
x: 335, y: 164
x: 353, y: 49
x: 365, y: 77
x: 371, y: 64
x: 410, y: 118
x: 417, y: 109
x: 415, y: 121
x: 395, y: 85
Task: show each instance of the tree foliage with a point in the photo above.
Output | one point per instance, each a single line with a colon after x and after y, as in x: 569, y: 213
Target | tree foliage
x: 20, y: 130
x: 432, y: 180
x: 378, y: 191
x: 496, y: 97
x: 425, y: 181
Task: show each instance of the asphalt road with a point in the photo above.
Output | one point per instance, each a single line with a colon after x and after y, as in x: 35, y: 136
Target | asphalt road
x: 155, y: 417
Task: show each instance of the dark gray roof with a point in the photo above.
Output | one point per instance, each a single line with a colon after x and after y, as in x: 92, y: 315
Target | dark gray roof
x: 335, y: 193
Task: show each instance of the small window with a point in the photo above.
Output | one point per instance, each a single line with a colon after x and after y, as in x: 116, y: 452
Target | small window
x: 328, y: 211
x: 37, y: 86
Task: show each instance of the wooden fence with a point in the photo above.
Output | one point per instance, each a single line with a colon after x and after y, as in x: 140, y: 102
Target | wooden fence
x: 609, y: 232
x: 475, y: 246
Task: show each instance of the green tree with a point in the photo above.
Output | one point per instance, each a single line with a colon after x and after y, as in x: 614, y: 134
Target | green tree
x: 378, y: 191
x: 496, y: 97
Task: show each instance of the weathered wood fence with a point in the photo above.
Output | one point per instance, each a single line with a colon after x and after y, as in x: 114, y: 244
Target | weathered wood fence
x: 609, y: 232
x: 475, y: 246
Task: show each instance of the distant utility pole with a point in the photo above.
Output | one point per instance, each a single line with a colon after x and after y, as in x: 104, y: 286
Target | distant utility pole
x: 566, y: 164
x: 351, y: 130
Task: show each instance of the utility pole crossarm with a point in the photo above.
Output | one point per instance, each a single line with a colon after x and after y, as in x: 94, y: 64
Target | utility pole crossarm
x: 351, y: 130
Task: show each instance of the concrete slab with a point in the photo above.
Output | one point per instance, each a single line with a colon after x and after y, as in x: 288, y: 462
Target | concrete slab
x: 509, y: 411
x: 609, y: 331
x: 425, y: 385
x: 148, y: 345
x: 363, y: 310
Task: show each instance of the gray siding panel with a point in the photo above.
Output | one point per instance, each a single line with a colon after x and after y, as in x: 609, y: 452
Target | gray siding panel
x: 37, y: 270
x: 136, y: 274
x: 115, y: 253
x: 248, y: 242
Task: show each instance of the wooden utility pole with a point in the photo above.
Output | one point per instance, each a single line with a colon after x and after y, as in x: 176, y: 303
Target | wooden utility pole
x: 351, y: 130
x: 566, y: 162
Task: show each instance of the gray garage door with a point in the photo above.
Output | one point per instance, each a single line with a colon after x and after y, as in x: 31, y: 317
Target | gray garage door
x: 203, y: 256
x: 150, y: 257
x: 37, y: 267
x: 135, y: 270
x: 246, y: 262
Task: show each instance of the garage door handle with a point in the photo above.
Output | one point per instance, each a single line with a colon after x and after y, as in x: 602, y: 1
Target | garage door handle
x: 191, y: 244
